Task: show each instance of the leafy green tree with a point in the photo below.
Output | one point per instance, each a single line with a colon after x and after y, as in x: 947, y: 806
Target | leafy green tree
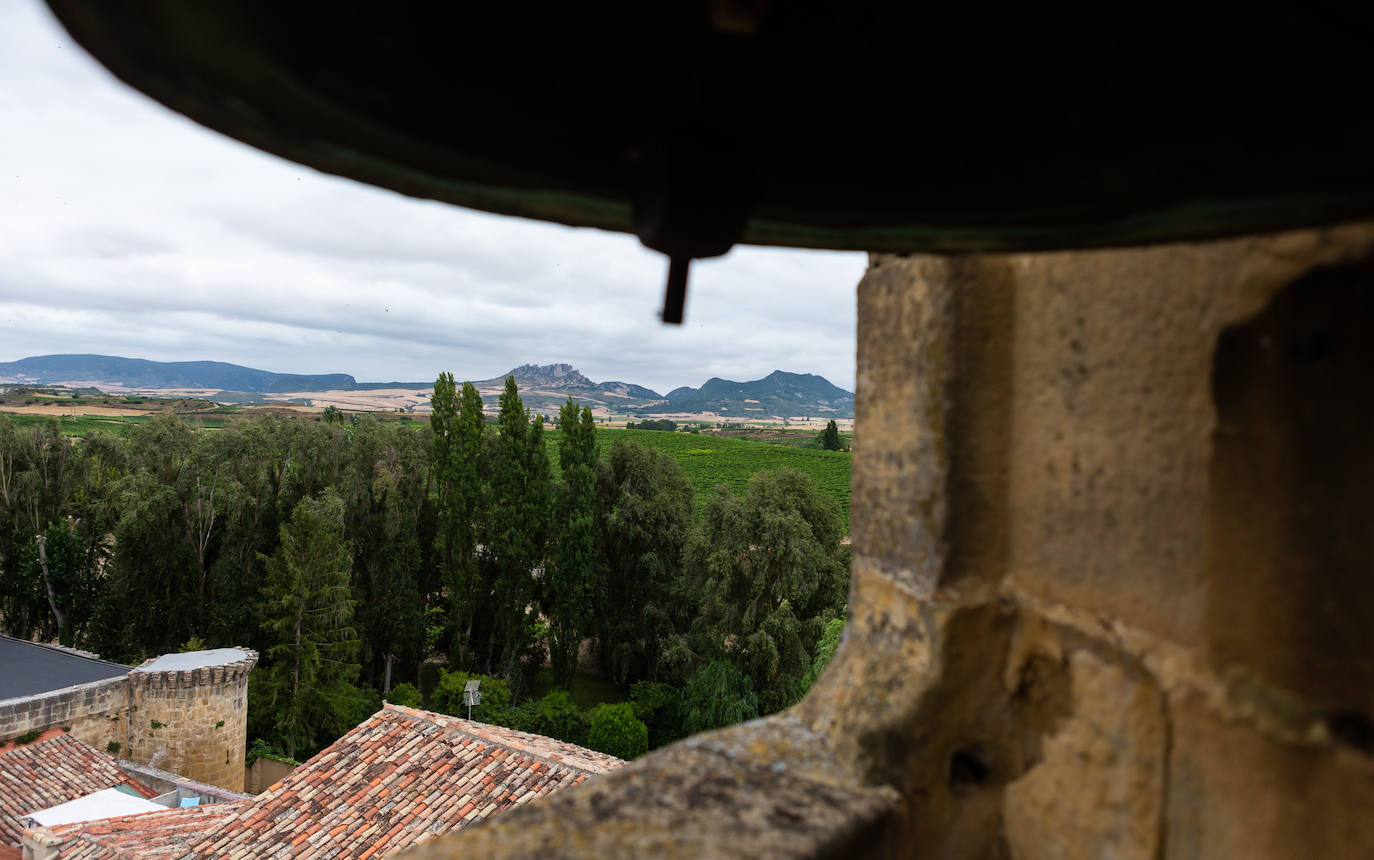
x: 519, y: 515
x: 570, y: 578
x: 646, y: 509
x: 58, y: 571
x: 178, y: 491
x: 307, y: 611
x: 617, y: 731
x: 719, y: 695
x: 385, y: 491
x: 461, y: 491
x: 149, y: 605
x: 769, y: 572
x: 829, y: 438
x: 252, y: 458
x: 659, y: 706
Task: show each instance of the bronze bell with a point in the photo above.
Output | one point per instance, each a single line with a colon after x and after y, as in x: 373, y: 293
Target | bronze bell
x: 945, y: 127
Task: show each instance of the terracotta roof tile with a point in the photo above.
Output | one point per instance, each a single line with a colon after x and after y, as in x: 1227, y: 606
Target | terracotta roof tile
x: 397, y: 779
x: 48, y: 772
x: 150, y: 836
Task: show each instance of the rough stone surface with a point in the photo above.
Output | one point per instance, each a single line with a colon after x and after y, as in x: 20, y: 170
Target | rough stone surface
x: 1099, y: 789
x: 1233, y: 792
x: 1110, y: 592
x: 192, y: 721
x: 96, y: 713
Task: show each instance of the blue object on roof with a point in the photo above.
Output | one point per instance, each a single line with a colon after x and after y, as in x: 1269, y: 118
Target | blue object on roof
x: 190, y: 801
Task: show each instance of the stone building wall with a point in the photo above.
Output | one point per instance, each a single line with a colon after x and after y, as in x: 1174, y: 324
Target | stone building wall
x: 95, y: 712
x: 1111, y: 593
x: 193, y: 722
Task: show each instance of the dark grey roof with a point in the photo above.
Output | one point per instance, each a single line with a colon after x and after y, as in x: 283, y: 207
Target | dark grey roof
x: 27, y: 668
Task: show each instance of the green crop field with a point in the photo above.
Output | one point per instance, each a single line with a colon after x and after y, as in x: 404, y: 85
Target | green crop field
x: 80, y: 425
x: 710, y: 461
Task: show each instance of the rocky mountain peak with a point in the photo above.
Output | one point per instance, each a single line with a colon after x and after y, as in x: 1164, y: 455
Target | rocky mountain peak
x: 551, y: 376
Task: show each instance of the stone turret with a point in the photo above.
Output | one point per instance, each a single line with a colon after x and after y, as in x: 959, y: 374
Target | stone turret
x: 189, y: 714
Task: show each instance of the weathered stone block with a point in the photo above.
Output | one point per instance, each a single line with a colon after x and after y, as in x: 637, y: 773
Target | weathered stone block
x: 1098, y: 790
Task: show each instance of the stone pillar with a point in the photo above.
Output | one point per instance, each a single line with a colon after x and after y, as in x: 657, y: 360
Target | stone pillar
x: 1113, y: 509
x: 1113, y: 580
x: 188, y: 714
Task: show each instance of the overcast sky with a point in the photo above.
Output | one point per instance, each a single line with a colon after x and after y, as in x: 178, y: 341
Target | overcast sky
x: 126, y: 229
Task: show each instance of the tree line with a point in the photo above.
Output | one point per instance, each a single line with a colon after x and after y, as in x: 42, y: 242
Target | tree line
x: 352, y: 553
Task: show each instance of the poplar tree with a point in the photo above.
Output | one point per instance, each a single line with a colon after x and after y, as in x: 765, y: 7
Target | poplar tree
x: 829, y: 438
x: 570, y: 580
x: 385, y: 497
x: 519, y: 516
x: 307, y: 613
x: 461, y: 492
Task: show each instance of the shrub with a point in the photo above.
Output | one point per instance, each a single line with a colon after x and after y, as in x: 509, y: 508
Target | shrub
x: 616, y: 730
x: 556, y: 716
x: 259, y: 748
x: 113, y: 747
x: 658, y: 706
x: 407, y: 695
x: 495, y: 709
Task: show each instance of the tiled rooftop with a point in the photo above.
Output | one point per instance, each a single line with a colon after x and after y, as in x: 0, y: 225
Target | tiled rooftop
x: 398, y: 779
x: 150, y: 836
x: 52, y: 770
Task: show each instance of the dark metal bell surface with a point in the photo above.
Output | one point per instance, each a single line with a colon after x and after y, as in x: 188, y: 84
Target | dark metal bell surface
x: 920, y: 126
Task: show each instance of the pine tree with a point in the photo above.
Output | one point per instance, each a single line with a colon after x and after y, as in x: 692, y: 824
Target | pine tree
x: 307, y: 612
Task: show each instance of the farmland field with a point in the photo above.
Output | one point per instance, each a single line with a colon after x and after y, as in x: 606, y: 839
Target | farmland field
x: 713, y: 460
x: 120, y: 425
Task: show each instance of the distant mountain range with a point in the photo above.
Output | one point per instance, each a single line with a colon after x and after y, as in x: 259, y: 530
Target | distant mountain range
x: 779, y: 393
x: 543, y: 387
x: 141, y: 373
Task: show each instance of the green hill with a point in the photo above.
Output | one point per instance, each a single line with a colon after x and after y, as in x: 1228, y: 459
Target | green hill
x: 777, y: 394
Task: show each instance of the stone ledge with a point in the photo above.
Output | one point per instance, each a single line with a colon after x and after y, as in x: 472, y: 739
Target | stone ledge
x: 21, y: 714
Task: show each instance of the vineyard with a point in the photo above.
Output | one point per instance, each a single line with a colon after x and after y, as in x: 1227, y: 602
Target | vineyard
x: 713, y: 460
x: 708, y: 460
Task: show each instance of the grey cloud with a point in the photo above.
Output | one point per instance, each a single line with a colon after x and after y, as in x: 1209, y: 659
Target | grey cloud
x: 128, y: 229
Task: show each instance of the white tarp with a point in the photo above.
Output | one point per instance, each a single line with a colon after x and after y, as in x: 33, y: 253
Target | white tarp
x: 194, y: 660
x: 107, y: 803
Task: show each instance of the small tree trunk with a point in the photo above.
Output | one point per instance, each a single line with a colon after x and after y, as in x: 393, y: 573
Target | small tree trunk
x: 296, y: 666
x: 386, y: 673
x: 42, y: 542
